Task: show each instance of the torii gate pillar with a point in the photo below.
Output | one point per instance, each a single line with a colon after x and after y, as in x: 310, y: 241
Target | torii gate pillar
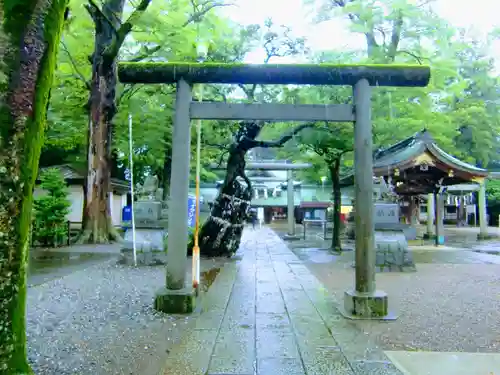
x: 364, y: 301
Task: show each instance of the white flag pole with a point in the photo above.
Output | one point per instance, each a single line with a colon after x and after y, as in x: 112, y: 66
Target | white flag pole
x: 131, y: 171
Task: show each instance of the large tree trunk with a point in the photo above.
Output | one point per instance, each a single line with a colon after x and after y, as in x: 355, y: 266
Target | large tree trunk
x: 221, y: 233
x: 97, y: 219
x: 29, y: 38
x: 337, y: 204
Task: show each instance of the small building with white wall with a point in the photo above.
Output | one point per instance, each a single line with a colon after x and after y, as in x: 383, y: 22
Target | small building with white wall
x: 75, y: 181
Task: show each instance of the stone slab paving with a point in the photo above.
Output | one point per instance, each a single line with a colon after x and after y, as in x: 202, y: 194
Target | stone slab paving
x: 446, y: 363
x: 268, y: 315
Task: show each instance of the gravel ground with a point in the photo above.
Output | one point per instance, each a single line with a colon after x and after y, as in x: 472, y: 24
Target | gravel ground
x: 441, y: 307
x: 100, y: 321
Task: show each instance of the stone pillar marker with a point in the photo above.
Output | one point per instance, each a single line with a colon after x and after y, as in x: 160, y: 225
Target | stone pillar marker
x: 364, y: 302
x: 430, y: 216
x: 439, y: 204
x: 290, y: 200
x: 177, y: 297
x: 483, y: 225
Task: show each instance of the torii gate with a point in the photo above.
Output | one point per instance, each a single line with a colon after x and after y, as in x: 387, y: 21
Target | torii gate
x: 362, y: 302
x: 290, y: 200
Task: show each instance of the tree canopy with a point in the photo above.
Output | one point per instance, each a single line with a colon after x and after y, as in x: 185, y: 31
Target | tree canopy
x: 459, y: 106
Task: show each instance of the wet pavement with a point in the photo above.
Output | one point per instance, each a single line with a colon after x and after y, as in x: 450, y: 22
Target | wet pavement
x: 45, y: 265
x: 267, y: 314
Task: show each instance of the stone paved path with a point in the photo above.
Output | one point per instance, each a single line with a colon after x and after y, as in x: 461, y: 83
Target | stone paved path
x: 266, y: 314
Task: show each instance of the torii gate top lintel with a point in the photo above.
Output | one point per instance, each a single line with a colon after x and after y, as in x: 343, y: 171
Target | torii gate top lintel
x: 275, y: 74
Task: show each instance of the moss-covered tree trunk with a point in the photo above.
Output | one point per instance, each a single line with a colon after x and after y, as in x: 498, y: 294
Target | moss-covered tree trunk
x: 29, y: 38
x: 221, y: 234
x: 337, y: 203
x: 97, y: 218
x: 110, y: 33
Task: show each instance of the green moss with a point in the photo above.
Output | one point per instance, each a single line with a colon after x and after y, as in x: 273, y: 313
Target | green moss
x: 175, y: 302
x: 307, y: 74
x: 29, y: 145
x: 189, y: 65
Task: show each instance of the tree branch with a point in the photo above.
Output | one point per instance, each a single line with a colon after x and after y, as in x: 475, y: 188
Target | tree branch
x: 381, y: 31
x: 111, y: 52
x: 75, y: 66
x: 397, y: 26
x: 416, y: 57
x: 280, y: 142
x: 199, y: 10
x: 96, y: 14
x: 147, y: 52
x: 371, y: 42
x: 127, y: 93
x: 216, y: 145
x: 195, y: 17
x: 222, y: 158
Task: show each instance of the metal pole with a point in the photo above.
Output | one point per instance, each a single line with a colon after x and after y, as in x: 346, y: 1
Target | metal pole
x: 196, y: 248
x: 363, y: 178
x: 131, y: 164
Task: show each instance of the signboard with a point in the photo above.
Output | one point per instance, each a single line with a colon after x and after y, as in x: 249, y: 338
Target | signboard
x: 191, y: 210
x: 147, y: 211
x: 127, y: 213
x: 386, y: 213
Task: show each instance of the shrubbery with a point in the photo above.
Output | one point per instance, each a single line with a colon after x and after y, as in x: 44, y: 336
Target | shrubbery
x: 50, y: 223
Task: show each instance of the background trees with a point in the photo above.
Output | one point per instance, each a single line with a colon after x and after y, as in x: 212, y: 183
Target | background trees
x: 459, y: 107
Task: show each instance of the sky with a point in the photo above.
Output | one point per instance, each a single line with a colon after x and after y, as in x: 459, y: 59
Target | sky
x: 483, y: 16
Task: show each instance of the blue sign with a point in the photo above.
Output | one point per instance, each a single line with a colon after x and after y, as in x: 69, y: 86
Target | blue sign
x: 127, y: 213
x: 191, y: 210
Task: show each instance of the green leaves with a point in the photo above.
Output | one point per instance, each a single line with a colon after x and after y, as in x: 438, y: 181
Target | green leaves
x: 50, y: 209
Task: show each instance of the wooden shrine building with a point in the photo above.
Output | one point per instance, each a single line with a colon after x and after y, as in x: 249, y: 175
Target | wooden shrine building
x: 417, y: 167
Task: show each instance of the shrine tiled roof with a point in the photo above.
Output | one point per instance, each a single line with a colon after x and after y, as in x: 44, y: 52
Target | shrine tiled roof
x: 410, y: 148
